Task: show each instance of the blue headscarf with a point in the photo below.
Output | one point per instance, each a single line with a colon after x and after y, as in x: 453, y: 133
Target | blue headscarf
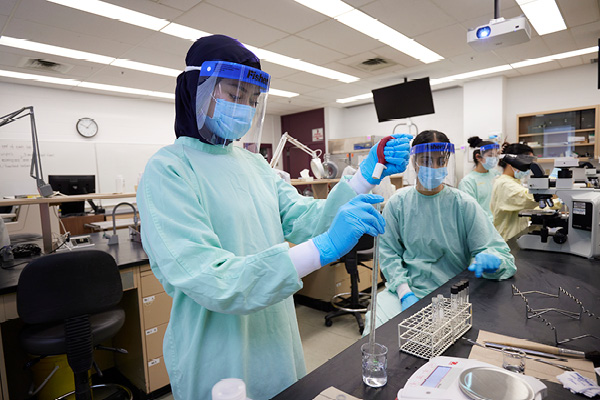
x: 208, y: 48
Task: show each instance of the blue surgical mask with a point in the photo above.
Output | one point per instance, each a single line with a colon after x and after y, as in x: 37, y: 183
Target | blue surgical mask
x: 431, y: 178
x: 521, y: 174
x: 230, y: 120
x: 490, y: 163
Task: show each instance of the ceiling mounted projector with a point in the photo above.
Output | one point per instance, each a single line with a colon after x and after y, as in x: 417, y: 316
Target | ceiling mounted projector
x: 498, y: 33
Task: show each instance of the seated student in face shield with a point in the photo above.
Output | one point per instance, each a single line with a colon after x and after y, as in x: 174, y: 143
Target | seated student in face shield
x: 216, y: 220
x: 433, y: 232
x: 478, y: 183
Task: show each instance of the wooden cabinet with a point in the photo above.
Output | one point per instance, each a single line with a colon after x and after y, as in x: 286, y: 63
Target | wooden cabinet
x: 561, y: 133
x: 148, y: 311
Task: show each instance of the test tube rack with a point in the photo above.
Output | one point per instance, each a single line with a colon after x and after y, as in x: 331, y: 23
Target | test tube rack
x: 422, y: 336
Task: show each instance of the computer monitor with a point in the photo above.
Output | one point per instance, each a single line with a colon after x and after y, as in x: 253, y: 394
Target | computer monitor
x: 403, y: 100
x: 71, y: 185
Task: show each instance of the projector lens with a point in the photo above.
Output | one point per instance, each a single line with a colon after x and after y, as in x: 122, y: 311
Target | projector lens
x: 483, y: 32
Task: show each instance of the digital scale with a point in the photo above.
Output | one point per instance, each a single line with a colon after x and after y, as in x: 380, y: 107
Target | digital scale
x: 452, y: 378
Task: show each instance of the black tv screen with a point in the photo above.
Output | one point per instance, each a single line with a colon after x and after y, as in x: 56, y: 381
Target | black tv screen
x: 403, y: 100
x: 71, y: 185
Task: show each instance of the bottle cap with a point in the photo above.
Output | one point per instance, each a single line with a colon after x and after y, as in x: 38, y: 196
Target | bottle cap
x: 454, y: 289
x: 229, y: 389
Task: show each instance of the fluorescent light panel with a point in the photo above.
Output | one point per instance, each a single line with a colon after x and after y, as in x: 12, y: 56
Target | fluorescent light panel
x: 115, y: 12
x: 544, y: 15
x: 170, y: 28
x: 117, y: 62
x: 89, y: 85
x: 369, y: 26
x: 489, y: 71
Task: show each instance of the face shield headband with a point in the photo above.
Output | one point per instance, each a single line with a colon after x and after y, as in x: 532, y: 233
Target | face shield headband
x: 230, y: 103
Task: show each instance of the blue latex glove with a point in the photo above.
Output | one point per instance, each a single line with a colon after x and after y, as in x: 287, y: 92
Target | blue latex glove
x: 353, y: 220
x: 485, y: 263
x: 408, y: 300
x: 397, y: 153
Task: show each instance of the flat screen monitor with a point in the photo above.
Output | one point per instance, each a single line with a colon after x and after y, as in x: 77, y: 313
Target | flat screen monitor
x: 403, y: 100
x: 71, y: 185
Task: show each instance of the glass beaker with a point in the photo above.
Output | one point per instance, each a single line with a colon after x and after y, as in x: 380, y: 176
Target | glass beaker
x: 513, y: 360
x: 374, y: 364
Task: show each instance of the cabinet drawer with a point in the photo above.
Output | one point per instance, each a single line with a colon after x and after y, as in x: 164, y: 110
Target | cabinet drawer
x: 157, y: 373
x: 154, y: 341
x: 156, y: 309
x: 150, y: 285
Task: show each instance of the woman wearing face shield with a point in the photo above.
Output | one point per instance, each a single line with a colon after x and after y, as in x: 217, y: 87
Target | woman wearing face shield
x: 478, y: 183
x: 509, y: 196
x: 216, y: 220
x: 433, y: 232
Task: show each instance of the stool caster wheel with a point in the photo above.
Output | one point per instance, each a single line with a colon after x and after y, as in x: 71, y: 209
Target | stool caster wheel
x: 328, y: 322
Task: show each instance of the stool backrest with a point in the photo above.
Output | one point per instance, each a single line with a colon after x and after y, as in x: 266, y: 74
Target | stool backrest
x: 64, y: 285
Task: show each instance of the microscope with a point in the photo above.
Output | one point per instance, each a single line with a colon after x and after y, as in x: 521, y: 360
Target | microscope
x: 575, y: 232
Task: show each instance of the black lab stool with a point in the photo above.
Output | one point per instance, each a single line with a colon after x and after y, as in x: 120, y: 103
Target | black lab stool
x: 68, y: 303
x: 354, y: 302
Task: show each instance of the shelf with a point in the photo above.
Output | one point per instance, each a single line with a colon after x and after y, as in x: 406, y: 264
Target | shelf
x: 557, y: 133
x: 65, y: 199
x: 561, y: 145
x: 549, y: 159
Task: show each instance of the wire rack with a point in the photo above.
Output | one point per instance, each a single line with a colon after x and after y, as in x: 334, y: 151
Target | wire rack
x: 423, y: 337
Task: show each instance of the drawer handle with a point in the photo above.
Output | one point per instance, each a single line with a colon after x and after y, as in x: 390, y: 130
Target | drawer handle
x: 153, y: 362
x: 151, y: 331
x: 148, y: 299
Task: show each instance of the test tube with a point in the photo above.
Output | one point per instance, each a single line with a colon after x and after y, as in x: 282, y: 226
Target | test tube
x: 434, y: 311
x: 461, y: 292
x: 454, y: 298
x: 466, y: 292
x: 440, y: 309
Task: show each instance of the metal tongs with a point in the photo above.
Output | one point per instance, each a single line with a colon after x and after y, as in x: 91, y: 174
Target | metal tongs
x: 563, y: 367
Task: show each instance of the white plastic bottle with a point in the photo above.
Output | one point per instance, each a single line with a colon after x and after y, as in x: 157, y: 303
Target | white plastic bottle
x: 229, y: 389
x: 120, y: 184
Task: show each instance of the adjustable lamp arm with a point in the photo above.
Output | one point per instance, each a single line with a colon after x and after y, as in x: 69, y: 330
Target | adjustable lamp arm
x: 287, y: 138
x: 35, y: 171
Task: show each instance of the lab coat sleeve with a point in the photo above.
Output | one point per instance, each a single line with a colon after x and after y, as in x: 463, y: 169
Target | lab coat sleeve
x: 303, y: 218
x: 482, y: 237
x: 391, y: 247
x: 514, y: 197
x: 186, y: 254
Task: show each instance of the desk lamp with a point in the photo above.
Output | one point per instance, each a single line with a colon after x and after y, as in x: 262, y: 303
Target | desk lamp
x: 316, y: 165
x: 35, y: 171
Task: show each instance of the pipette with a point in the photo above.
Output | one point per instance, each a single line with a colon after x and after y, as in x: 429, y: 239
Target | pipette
x: 374, y: 288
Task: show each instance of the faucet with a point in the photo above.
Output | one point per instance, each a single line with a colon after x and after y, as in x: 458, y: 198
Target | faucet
x: 134, y: 233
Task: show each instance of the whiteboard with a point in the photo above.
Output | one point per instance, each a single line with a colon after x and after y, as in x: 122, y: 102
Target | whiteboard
x: 104, y: 160
x: 124, y: 159
x: 58, y: 158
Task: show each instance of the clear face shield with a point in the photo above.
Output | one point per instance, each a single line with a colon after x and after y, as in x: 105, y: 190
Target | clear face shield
x: 489, y: 154
x: 434, y: 165
x: 231, y: 101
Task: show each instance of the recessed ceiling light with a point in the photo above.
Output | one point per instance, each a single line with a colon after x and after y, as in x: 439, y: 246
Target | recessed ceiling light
x: 370, y: 26
x: 164, y: 26
x: 544, y: 15
x: 115, y: 12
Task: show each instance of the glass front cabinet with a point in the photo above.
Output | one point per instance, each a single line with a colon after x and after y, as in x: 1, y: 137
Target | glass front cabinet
x: 561, y: 133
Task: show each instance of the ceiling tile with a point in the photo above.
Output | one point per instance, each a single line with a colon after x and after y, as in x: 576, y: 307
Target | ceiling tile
x: 56, y: 36
x: 571, y: 62
x: 79, y: 22
x: 535, y: 69
x: 335, y: 35
x: 586, y: 35
x: 211, y: 19
x: 293, y: 46
x: 123, y: 77
x: 410, y: 17
x: 269, y: 12
x: 182, y: 5
x: 162, y: 42
x: 559, y: 42
x: 307, y: 79
x: 466, y: 10
x: 448, y: 42
x: 579, y: 12
x: 6, y: 6
x: 153, y: 8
